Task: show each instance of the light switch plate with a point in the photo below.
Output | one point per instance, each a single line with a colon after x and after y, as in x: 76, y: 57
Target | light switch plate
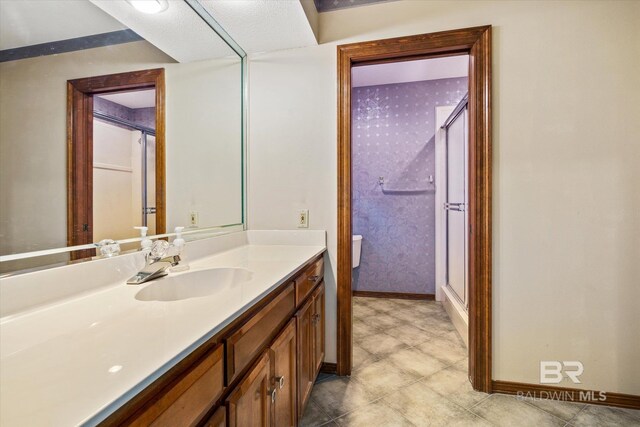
x: 193, y: 218
x: 303, y: 218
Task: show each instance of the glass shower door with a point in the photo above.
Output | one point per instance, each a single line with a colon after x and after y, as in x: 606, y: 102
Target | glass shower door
x: 148, y: 184
x: 456, y: 206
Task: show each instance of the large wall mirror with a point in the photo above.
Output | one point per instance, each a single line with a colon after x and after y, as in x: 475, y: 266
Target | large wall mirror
x: 115, y: 114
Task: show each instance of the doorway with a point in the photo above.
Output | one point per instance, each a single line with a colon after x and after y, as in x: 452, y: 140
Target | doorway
x: 88, y: 102
x: 475, y: 42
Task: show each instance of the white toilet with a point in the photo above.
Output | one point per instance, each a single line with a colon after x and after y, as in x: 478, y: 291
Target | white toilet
x: 357, y: 247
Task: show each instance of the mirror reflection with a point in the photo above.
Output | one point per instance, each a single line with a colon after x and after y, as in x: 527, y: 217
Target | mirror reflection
x: 112, y: 120
x: 124, y: 160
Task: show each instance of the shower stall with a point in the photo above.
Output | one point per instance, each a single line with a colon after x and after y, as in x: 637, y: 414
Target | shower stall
x: 452, y: 216
x: 124, y: 174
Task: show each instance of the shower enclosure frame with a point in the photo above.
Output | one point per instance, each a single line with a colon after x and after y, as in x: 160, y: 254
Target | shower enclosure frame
x: 475, y: 42
x: 144, y: 132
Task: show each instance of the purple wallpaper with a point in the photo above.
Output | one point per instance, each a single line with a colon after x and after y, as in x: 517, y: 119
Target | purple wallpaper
x: 393, y: 137
x: 142, y: 116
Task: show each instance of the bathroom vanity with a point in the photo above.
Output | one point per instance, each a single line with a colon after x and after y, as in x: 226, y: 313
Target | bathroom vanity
x: 258, y: 370
x: 236, y: 340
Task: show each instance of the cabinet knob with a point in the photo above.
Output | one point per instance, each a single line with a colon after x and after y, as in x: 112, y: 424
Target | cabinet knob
x: 280, y: 382
x: 273, y: 395
x: 314, y: 277
x: 315, y: 318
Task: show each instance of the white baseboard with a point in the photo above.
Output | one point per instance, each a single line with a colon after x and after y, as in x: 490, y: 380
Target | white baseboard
x: 459, y: 317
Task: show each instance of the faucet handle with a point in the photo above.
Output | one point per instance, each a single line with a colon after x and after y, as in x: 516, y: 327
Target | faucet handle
x: 108, y: 247
x: 159, y: 249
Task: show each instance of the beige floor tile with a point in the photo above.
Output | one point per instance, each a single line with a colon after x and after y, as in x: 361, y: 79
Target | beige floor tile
x: 462, y: 364
x: 361, y: 300
x: 423, y: 406
x: 384, y: 321
x: 410, y: 335
x: 361, y: 357
x: 313, y: 416
x: 388, y: 364
x: 594, y: 415
x: 466, y: 420
x: 404, y: 304
x: 431, y: 307
x: 407, y: 316
x: 362, y: 329
x: 564, y: 410
x: 377, y: 414
x: 435, y: 324
x: 453, y: 383
x: 340, y: 395
x: 416, y: 362
x: 507, y: 411
x: 380, y: 304
x: 446, y: 350
x: 381, y: 344
x: 382, y: 377
x: 446, y: 330
x: 362, y: 311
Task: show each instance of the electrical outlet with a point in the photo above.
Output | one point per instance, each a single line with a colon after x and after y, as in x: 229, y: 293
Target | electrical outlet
x: 193, y: 218
x: 303, y: 218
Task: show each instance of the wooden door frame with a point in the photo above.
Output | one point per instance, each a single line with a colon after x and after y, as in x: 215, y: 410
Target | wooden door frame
x: 80, y: 94
x: 476, y: 42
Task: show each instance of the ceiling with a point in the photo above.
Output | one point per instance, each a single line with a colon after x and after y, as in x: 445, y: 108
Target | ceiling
x: 30, y: 22
x: 256, y: 25
x: 263, y: 25
x: 410, y: 71
x: 178, y: 31
x: 135, y: 99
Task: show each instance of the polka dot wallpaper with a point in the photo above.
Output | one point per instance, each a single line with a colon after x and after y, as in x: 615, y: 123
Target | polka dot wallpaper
x: 393, y: 138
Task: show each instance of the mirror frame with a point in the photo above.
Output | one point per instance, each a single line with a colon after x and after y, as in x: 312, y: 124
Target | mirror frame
x: 201, y: 233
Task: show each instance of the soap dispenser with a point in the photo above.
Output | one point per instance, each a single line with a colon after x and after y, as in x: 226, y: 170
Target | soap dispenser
x: 180, y: 244
x: 145, y: 243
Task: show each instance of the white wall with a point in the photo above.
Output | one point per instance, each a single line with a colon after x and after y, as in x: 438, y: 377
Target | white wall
x: 113, y: 190
x: 33, y: 151
x: 566, y: 95
x: 204, y: 162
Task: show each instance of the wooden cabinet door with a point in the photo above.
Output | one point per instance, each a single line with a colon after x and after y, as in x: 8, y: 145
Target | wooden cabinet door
x: 283, y: 363
x: 318, y: 329
x: 306, y: 374
x: 218, y: 419
x: 250, y: 402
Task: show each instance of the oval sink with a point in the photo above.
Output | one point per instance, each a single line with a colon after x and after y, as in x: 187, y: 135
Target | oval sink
x: 193, y: 284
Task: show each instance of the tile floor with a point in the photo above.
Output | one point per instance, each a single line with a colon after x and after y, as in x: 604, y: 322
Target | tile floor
x: 410, y: 369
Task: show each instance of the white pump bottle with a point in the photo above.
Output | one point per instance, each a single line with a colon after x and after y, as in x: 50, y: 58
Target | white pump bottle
x: 180, y: 244
x: 145, y: 243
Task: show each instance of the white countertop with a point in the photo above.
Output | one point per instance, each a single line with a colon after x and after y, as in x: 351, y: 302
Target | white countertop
x: 78, y: 360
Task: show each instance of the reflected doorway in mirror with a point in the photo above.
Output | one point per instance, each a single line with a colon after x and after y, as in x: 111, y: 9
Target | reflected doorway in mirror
x: 89, y: 128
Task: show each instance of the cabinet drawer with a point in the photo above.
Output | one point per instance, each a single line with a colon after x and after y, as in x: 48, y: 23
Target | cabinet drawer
x: 245, y: 343
x: 308, y: 279
x: 185, y: 401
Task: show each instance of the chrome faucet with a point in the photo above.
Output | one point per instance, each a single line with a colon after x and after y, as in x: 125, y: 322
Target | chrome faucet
x: 157, y: 262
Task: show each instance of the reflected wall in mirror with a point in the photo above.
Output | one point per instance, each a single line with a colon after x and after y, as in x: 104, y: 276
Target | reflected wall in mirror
x: 55, y: 61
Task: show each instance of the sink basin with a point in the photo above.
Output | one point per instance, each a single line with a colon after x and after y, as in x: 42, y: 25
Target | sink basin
x: 194, y: 284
